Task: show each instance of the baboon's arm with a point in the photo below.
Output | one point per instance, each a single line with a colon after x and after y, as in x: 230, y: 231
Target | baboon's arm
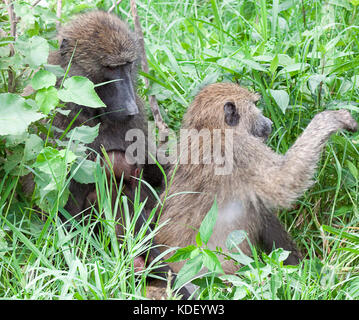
x: 288, y: 176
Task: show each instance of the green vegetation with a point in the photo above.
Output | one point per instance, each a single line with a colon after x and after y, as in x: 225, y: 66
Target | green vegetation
x: 301, y: 56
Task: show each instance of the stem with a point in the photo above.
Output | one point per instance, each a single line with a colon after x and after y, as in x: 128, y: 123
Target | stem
x: 13, y: 21
x: 58, y: 12
x: 161, y: 125
x: 115, y: 3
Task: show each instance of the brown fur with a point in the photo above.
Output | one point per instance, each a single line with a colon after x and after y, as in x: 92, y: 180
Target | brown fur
x: 261, y: 181
x: 98, y: 42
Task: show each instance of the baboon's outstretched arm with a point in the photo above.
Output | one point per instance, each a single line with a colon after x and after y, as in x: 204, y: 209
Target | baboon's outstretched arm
x: 290, y: 175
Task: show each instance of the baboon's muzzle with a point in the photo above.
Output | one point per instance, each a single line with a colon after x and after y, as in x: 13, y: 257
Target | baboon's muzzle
x: 119, y: 95
x: 263, y: 127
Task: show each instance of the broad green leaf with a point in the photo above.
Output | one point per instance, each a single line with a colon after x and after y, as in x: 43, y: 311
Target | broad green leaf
x: 35, y: 50
x: 14, y: 159
x: 281, y: 97
x: 253, y: 65
x: 229, y: 63
x: 55, y: 69
x: 33, y: 147
x: 47, y: 99
x: 235, y: 238
x: 43, y: 79
x: 294, y: 68
x: 84, y: 134
x: 80, y: 90
x: 15, y: 114
x: 235, y: 280
x: 240, y: 257
x: 314, y: 81
x: 85, y: 171
x: 24, y: 11
x: 279, y: 255
x: 46, y: 14
x: 52, y: 161
x: 211, y: 261
x: 189, y: 270
x: 51, y: 168
x: 14, y: 140
x: 208, y: 223
x: 182, y: 254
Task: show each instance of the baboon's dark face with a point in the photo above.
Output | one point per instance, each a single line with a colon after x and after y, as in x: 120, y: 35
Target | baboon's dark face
x: 119, y: 95
x: 102, y: 48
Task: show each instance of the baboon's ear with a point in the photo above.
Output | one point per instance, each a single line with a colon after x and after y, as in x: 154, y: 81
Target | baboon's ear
x: 64, y: 46
x: 231, y: 116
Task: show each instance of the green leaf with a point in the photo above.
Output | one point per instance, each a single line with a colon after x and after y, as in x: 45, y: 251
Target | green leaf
x: 85, y: 171
x: 80, y: 90
x: 43, y: 79
x: 84, y: 134
x: 235, y: 238
x: 15, y: 114
x: 353, y: 169
x: 294, y: 68
x: 13, y: 160
x: 274, y: 64
x: 253, y: 65
x: 247, y: 9
x: 199, y: 240
x: 182, y: 254
x: 188, y: 271
x: 47, y: 99
x: 208, y: 223
x: 55, y: 69
x: 314, y: 81
x: 51, y: 168
x: 35, y: 50
x: 211, y: 261
x: 33, y: 147
x: 281, y: 97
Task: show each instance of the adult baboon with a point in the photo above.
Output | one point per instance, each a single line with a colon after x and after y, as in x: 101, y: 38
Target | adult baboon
x: 101, y: 47
x: 260, y: 181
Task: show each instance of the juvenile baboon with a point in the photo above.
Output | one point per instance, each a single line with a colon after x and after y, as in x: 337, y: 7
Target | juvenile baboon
x: 261, y: 180
x: 100, y: 46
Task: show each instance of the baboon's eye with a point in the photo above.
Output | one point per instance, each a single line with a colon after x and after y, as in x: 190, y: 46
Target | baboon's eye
x: 63, y: 46
x: 111, y: 68
x: 231, y: 116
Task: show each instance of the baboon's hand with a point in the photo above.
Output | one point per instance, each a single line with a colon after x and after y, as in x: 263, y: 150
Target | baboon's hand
x: 337, y: 119
x: 348, y: 122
